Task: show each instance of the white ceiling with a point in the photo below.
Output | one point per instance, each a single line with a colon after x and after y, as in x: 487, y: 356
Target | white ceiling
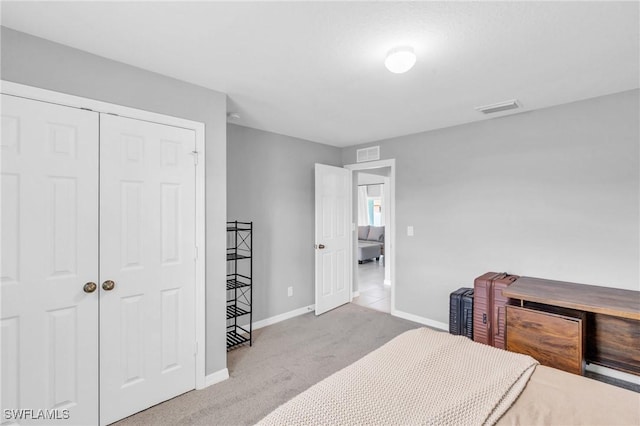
x: 314, y: 70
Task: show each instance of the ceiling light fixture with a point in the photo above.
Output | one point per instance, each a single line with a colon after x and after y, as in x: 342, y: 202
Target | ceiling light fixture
x: 400, y: 59
x: 233, y: 116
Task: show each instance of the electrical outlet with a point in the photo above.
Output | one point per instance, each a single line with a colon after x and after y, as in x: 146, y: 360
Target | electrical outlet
x: 289, y: 291
x: 410, y: 231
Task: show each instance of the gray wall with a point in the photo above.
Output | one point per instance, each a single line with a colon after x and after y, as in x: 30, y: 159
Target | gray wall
x: 37, y: 62
x: 271, y: 182
x: 552, y: 193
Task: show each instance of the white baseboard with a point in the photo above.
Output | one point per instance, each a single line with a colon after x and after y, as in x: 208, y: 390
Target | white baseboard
x: 421, y: 320
x: 355, y: 294
x: 217, y: 377
x: 282, y: 317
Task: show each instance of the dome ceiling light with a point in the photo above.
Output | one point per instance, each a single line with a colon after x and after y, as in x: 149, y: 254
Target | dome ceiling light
x: 400, y: 59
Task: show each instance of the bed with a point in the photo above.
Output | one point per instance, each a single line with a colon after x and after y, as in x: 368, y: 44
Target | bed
x: 429, y: 377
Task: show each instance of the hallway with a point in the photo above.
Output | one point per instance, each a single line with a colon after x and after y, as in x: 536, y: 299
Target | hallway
x: 373, y: 293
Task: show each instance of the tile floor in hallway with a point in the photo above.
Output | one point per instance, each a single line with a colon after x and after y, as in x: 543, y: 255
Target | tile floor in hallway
x: 373, y: 293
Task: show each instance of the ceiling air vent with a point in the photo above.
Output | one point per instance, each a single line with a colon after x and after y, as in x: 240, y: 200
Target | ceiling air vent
x: 500, y: 106
x: 368, y: 154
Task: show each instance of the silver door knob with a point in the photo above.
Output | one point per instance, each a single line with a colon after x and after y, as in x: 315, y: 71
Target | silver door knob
x: 108, y: 285
x: 90, y: 287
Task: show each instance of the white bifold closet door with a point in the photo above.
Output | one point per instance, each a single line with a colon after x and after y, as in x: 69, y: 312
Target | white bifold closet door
x: 95, y: 198
x: 49, y: 325
x: 147, y: 247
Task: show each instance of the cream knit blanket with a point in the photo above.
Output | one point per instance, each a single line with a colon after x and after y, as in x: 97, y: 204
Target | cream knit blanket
x: 421, y: 377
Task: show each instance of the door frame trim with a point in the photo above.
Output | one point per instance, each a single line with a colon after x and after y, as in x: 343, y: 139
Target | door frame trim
x: 63, y: 99
x: 390, y: 240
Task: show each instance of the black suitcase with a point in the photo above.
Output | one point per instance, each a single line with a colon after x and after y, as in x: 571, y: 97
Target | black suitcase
x: 461, y: 312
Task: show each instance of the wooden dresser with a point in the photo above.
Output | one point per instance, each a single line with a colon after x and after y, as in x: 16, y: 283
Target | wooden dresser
x: 566, y: 325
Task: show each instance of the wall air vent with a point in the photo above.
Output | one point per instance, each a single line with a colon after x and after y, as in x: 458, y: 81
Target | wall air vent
x: 371, y: 153
x: 500, y: 106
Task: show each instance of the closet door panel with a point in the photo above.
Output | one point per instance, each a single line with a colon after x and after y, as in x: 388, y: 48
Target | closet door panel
x: 147, y: 242
x: 49, y: 202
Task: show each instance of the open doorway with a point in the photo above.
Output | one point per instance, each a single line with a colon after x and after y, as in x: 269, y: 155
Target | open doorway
x: 373, y: 243
x: 370, y: 266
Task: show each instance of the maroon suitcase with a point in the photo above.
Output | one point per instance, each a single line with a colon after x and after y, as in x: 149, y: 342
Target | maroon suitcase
x: 499, y: 323
x: 489, y: 308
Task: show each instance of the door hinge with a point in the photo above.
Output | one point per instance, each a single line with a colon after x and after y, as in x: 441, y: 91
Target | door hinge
x: 196, y: 252
x: 195, y: 157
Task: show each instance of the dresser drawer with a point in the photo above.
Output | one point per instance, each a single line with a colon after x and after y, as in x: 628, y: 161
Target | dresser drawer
x: 553, y: 339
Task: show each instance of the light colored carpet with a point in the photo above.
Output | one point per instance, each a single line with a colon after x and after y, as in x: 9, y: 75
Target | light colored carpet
x: 286, y: 358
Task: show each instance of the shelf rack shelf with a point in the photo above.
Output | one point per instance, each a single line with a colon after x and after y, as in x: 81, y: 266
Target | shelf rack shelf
x: 239, y: 283
x: 235, y: 256
x: 235, y: 339
x: 236, y: 282
x: 235, y: 312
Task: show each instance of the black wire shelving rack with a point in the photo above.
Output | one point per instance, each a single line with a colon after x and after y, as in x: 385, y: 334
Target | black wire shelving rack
x: 239, y: 283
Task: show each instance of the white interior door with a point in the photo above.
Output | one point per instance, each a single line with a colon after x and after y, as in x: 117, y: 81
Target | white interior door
x: 333, y: 237
x: 48, y: 323
x: 147, y: 250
